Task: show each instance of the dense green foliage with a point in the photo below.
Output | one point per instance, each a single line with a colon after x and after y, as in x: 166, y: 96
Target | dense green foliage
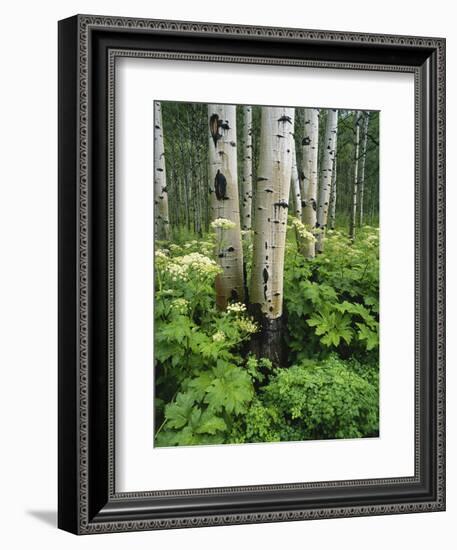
x: 210, y: 389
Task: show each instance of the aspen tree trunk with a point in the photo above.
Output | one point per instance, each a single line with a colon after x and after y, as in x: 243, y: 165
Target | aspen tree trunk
x: 362, y: 167
x: 223, y: 188
x: 270, y: 224
x: 295, y: 191
x: 326, y: 176
x: 310, y: 145
x: 246, y: 206
x: 161, y: 220
x: 355, y: 186
x: 333, y: 196
x: 332, y: 211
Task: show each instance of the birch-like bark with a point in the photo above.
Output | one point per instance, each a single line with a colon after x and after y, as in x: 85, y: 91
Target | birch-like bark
x: 310, y: 146
x: 295, y: 191
x: 270, y: 224
x: 362, y: 167
x: 223, y: 188
x: 326, y: 176
x: 161, y: 220
x: 355, y: 186
x: 246, y: 197
x: 333, y: 190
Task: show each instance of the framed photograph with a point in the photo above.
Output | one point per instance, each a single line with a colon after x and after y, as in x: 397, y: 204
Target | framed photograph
x: 251, y: 274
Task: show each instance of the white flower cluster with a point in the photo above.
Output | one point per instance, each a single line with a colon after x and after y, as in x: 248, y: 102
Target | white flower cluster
x: 180, y: 305
x: 206, y: 248
x: 160, y: 255
x: 222, y: 223
x: 236, y: 308
x: 302, y: 231
x: 177, y: 271
x: 179, y: 267
x: 219, y: 336
x: 161, y: 259
x: 248, y: 325
x: 199, y: 263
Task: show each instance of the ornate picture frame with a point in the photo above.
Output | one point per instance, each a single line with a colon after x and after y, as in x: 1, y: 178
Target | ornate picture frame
x: 88, y: 500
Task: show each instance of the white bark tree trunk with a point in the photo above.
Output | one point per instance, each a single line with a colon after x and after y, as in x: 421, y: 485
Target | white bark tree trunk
x: 223, y: 188
x: 353, y: 218
x: 270, y: 224
x: 161, y: 220
x: 246, y: 201
x: 362, y: 167
x: 295, y: 191
x: 332, y: 213
x: 333, y: 191
x: 310, y: 145
x: 326, y: 176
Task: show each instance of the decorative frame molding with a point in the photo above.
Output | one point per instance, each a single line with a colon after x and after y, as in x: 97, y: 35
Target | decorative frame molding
x: 88, y: 502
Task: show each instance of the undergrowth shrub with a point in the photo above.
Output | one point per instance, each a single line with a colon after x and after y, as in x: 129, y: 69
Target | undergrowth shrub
x: 209, y: 389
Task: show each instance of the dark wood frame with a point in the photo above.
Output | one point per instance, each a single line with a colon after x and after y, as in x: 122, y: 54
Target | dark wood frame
x: 88, y: 46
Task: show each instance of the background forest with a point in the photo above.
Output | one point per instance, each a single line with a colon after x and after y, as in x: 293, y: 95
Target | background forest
x: 266, y: 273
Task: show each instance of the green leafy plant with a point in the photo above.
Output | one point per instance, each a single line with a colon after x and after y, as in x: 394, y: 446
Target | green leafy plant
x: 210, y: 390
x: 332, y: 300
x: 314, y: 401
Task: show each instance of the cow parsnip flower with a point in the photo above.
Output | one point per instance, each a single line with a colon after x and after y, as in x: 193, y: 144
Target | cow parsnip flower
x: 236, y: 308
x: 160, y: 254
x: 180, y: 268
x: 176, y: 271
x: 247, y: 325
x: 199, y: 263
x: 222, y: 223
x: 302, y: 231
x: 219, y: 336
x: 180, y: 305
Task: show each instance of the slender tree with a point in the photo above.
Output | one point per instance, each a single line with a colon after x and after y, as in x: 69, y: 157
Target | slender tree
x: 270, y: 224
x: 295, y: 190
x: 333, y: 190
x: 223, y: 187
x: 310, y: 144
x: 326, y: 176
x: 355, y: 185
x: 161, y: 220
x: 366, y: 123
x: 332, y: 210
x: 246, y: 204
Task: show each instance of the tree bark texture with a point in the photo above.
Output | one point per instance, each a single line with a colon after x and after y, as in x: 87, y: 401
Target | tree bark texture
x: 310, y: 146
x: 295, y: 191
x: 246, y: 197
x: 355, y: 185
x: 161, y: 220
x: 223, y: 188
x: 270, y: 224
x: 333, y: 190
x: 326, y: 176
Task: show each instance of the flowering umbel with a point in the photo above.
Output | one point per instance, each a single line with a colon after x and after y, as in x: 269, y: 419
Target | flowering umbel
x: 222, y: 223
